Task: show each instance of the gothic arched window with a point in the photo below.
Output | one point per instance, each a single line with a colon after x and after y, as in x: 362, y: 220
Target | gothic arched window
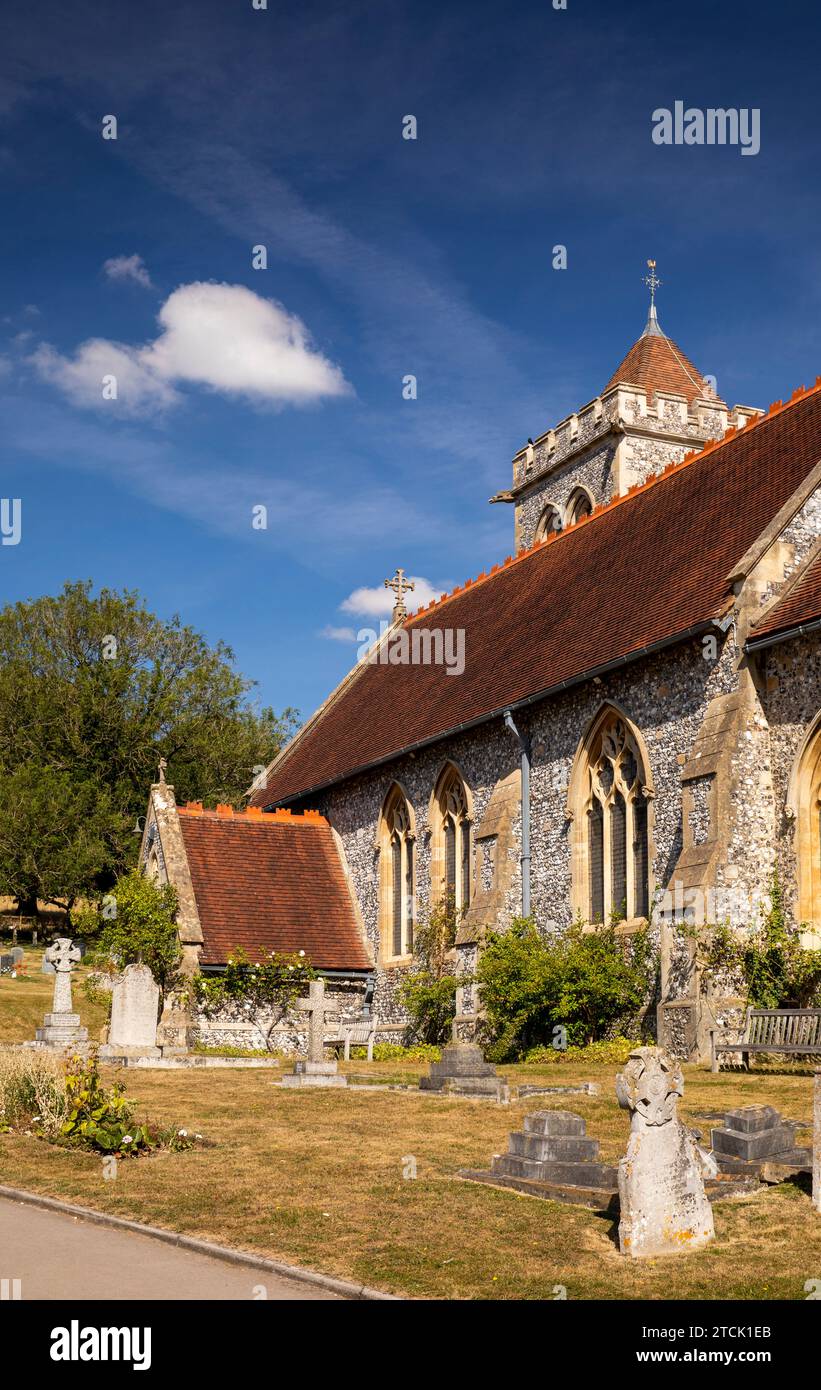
x: 549, y: 521
x: 579, y: 504
x: 453, y: 846
x: 397, y: 842
x: 609, y: 806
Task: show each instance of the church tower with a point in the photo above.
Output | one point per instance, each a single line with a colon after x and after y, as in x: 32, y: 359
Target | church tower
x: 656, y: 407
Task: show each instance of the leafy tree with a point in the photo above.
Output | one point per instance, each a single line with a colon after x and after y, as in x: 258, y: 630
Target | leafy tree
x: 94, y: 689
x: 135, y: 925
x: 429, y: 990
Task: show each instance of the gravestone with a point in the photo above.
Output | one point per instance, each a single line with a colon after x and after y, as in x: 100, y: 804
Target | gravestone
x: 463, y: 1071
x: 315, y: 1071
x: 816, y: 1144
x: 61, y: 1028
x: 754, y: 1137
x: 6, y: 962
x: 663, y: 1205
x: 135, y: 1001
x: 17, y: 954
x: 47, y: 966
x: 552, y: 1157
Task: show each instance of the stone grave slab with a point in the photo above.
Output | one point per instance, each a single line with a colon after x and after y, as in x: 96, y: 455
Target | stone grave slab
x: 135, y: 1001
x: 552, y: 1157
x: 463, y: 1071
x: 754, y: 1137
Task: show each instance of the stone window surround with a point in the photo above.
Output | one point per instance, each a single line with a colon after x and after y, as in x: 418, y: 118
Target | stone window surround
x: 396, y: 796
x: 450, y: 775
x: 578, y: 805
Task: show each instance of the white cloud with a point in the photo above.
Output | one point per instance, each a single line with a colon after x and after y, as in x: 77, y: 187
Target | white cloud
x: 128, y: 268
x: 223, y: 337
x: 139, y: 390
x: 378, y: 603
x: 338, y: 634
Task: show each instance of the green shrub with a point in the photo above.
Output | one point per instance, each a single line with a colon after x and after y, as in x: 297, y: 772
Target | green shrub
x: 68, y: 1105
x: 396, y: 1052
x: 611, y: 1050
x: 582, y: 982
x: 98, y: 1118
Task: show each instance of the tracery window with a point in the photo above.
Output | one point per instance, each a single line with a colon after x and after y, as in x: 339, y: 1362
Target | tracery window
x: 453, y: 846
x: 397, y: 843
x: 610, y: 811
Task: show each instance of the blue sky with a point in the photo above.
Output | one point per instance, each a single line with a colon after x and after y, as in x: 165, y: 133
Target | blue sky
x: 386, y: 257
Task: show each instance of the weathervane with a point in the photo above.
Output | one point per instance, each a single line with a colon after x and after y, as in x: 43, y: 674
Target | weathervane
x: 400, y: 586
x: 652, y: 282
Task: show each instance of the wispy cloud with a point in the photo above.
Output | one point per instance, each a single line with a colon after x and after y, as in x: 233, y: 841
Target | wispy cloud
x: 131, y: 268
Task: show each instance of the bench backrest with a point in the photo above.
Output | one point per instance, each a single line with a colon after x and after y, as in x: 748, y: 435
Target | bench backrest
x: 359, y: 1032
x: 784, y: 1027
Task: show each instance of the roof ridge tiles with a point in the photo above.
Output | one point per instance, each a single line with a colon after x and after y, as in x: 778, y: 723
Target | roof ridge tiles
x: 801, y: 393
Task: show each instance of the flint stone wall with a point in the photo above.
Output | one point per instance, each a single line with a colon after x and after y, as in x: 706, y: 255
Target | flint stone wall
x: 234, y: 1026
x: 666, y: 696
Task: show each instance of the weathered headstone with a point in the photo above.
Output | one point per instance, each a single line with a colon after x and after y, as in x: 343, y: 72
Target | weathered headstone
x: 552, y: 1157
x: 463, y: 1071
x: 315, y: 1071
x: 664, y: 1207
x: 61, y: 1028
x: 755, y: 1136
x: 17, y: 954
x: 816, y: 1144
x: 135, y: 1001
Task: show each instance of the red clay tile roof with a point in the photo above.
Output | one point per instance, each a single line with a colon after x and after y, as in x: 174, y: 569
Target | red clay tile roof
x: 271, y: 883
x: 643, y: 570
x: 657, y: 364
x: 801, y: 603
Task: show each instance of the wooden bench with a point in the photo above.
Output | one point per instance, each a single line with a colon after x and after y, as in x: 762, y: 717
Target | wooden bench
x: 793, y: 1031
x: 357, y: 1032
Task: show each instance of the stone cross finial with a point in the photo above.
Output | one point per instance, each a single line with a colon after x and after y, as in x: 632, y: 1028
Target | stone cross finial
x: 314, y: 1005
x: 400, y: 586
x: 63, y: 956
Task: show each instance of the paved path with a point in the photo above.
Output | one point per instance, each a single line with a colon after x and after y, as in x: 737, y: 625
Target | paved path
x: 58, y: 1256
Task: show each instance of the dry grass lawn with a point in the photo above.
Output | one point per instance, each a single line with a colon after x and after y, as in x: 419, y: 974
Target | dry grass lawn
x: 316, y: 1178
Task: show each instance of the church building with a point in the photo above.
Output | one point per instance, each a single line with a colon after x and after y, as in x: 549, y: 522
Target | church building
x: 633, y: 734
